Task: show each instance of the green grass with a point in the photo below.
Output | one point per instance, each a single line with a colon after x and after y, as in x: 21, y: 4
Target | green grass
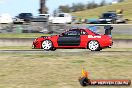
x: 15, y: 47
x: 121, y: 36
x: 60, y: 70
x: 95, y: 13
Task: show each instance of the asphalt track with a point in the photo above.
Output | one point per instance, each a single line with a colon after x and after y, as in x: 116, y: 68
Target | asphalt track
x: 61, y: 51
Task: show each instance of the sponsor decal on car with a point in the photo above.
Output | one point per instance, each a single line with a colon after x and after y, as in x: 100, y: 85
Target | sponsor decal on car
x: 91, y: 36
x: 85, y: 81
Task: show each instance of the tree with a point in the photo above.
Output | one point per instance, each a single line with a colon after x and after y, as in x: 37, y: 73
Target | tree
x: 120, y: 0
x: 91, y: 5
x: 64, y: 8
x: 78, y: 7
x: 43, y: 9
x: 103, y: 3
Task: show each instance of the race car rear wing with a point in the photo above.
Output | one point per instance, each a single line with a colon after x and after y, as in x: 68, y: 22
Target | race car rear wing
x: 108, y: 29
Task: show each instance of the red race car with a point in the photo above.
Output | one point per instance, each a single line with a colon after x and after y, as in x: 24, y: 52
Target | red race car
x: 74, y: 38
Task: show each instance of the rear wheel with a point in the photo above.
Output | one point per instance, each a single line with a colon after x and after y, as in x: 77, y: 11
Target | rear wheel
x: 94, y: 46
x: 47, y: 45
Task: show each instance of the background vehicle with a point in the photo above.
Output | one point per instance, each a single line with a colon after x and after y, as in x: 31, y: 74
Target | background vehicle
x: 108, y: 17
x: 17, y: 20
x: 49, y: 16
x: 43, y: 18
x: 112, y: 17
x: 74, y: 38
x: 62, y: 18
x: 120, y: 19
x: 5, y: 18
x: 27, y: 17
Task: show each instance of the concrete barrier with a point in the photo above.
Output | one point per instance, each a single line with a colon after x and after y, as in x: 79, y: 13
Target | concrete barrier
x: 118, y: 43
x: 16, y: 41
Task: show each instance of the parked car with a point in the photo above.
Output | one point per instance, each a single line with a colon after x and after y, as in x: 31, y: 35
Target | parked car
x: 17, y: 20
x: 27, y: 17
x: 74, y: 38
x: 108, y: 17
x: 5, y: 18
x: 62, y: 18
x: 112, y: 17
x: 49, y: 16
x: 43, y: 18
x: 120, y: 19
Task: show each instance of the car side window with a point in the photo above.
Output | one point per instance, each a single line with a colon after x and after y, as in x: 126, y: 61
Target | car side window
x: 72, y: 33
x: 83, y: 32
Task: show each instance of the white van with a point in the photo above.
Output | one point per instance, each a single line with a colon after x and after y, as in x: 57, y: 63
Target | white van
x: 62, y: 18
x: 49, y: 16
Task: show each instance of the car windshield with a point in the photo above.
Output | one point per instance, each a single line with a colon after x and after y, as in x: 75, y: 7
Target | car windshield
x: 106, y: 15
x: 26, y: 14
x: 61, y: 15
x: 29, y: 14
x: 74, y: 32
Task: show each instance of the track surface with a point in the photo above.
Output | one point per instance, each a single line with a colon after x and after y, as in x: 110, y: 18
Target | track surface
x: 59, y: 51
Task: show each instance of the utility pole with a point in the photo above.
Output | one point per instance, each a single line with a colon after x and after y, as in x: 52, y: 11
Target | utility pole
x: 43, y: 9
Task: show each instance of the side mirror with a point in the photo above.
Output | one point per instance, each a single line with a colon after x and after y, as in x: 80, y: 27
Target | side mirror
x: 108, y: 29
x: 63, y: 34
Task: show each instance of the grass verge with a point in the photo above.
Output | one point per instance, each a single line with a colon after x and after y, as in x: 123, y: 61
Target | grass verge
x: 15, y: 47
x: 95, y: 13
x: 121, y: 36
x: 55, y: 70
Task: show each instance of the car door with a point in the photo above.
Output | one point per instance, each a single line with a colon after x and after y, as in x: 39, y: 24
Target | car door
x: 69, y: 38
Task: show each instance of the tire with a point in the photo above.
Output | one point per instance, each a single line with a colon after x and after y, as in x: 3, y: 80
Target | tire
x: 47, y: 45
x: 94, y: 46
x: 53, y: 49
x: 126, y: 21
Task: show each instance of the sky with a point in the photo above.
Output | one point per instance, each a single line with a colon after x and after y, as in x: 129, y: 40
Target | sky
x: 14, y: 7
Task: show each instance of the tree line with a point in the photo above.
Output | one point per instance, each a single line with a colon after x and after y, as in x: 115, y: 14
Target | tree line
x: 80, y: 6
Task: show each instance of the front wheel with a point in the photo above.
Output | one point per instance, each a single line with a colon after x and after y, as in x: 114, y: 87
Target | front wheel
x: 94, y: 46
x: 47, y: 45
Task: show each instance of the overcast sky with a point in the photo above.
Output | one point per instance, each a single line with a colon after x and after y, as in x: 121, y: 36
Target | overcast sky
x: 13, y: 7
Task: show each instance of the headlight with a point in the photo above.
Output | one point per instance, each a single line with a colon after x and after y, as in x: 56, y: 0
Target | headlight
x: 101, y: 19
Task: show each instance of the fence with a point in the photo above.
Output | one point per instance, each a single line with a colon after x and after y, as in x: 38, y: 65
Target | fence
x: 37, y: 27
